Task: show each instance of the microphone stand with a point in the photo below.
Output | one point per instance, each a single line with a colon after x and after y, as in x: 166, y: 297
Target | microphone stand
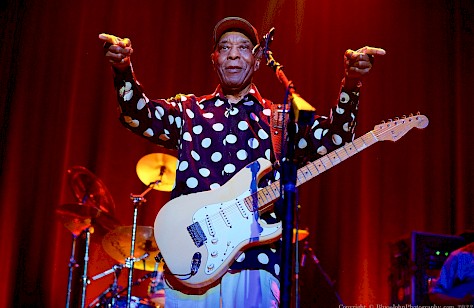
x: 137, y: 201
x: 300, y: 112
x: 309, y: 251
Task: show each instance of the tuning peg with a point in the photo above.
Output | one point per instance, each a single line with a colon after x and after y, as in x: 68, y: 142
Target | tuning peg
x: 404, y: 116
x: 390, y: 120
x: 397, y: 118
x: 382, y: 122
x: 418, y: 113
x: 411, y: 114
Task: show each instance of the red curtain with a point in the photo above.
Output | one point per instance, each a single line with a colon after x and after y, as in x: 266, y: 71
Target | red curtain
x: 58, y: 110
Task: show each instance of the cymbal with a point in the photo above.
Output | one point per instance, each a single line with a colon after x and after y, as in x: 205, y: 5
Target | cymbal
x: 88, y: 188
x: 302, y: 234
x: 117, y: 244
x: 77, y: 217
x: 157, y: 168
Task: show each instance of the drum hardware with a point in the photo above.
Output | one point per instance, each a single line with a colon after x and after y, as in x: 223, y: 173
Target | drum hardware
x: 157, y: 171
x: 94, y: 210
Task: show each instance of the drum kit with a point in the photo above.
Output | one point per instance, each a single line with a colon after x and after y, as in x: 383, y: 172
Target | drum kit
x: 133, y: 247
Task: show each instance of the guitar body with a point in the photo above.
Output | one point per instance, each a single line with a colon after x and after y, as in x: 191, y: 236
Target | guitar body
x: 212, y: 228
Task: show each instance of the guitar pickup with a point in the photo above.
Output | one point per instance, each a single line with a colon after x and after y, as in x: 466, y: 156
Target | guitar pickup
x: 196, y: 233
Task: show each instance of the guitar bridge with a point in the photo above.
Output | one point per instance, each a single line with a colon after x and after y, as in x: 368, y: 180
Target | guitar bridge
x: 196, y: 233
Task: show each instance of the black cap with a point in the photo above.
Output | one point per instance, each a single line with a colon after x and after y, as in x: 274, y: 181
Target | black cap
x: 235, y: 24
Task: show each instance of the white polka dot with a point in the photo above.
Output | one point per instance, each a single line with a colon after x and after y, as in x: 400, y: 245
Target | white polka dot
x: 141, y: 103
x: 195, y: 155
x: 302, y: 143
x: 243, y: 125
x: 171, y: 119
x: 197, y: 129
x: 277, y: 269
x: 208, y: 115
x: 248, y: 103
x: 345, y: 127
x: 262, y: 134
x: 164, y: 137
x: 187, y: 136
x: 263, y: 258
x: 241, y: 257
x: 180, y: 107
x: 254, y: 117
x: 192, y: 182
x: 214, y: 186
x: 267, y: 112
x: 206, y: 142
x: 253, y: 143
x: 184, y: 98
x: 267, y: 154
x: 336, y: 139
x: 148, y: 133
x: 234, y: 111
x: 252, y: 91
x: 315, y: 123
x: 128, y: 95
x: 131, y: 122
x: 274, y: 216
x: 218, y: 127
x: 339, y: 110
x: 183, y: 165
x: 322, y: 150
x: 159, y: 112
x: 318, y: 133
x: 229, y: 168
x: 204, y: 172
x: 344, y: 97
x: 216, y: 156
x: 219, y: 103
x: 190, y: 113
x: 242, y: 154
x: 231, y: 138
x: 273, y: 249
x: 178, y: 122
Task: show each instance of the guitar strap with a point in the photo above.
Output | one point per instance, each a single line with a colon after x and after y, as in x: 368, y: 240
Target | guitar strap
x: 278, y: 121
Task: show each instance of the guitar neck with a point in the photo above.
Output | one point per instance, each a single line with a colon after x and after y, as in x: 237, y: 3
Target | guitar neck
x: 268, y: 194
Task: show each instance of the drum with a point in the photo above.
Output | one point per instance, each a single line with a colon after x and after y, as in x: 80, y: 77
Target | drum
x: 135, y: 302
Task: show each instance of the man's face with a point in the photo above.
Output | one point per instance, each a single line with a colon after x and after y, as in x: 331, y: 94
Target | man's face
x: 234, y: 62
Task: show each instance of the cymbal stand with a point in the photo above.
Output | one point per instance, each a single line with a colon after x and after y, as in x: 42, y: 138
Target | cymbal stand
x: 113, y: 288
x: 308, y: 251
x: 137, y: 201
x: 72, y: 265
x: 85, y: 280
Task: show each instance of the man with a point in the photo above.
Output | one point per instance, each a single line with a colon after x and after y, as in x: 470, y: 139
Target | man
x: 217, y: 135
x: 455, y: 285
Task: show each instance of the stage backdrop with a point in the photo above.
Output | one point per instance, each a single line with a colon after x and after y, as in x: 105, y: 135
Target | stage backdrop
x: 58, y: 110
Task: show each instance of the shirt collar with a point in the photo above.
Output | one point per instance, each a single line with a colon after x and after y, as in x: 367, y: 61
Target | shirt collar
x: 218, y: 93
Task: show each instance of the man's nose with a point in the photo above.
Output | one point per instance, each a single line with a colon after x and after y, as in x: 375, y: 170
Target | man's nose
x: 234, y: 53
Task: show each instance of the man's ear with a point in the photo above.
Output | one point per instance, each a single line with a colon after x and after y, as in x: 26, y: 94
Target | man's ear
x: 257, y: 64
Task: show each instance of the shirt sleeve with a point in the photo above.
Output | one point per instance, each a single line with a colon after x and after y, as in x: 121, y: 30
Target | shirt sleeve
x: 159, y: 121
x: 329, y: 133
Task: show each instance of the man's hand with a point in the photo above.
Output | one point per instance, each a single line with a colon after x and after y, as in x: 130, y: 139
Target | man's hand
x: 117, y: 50
x: 358, y: 63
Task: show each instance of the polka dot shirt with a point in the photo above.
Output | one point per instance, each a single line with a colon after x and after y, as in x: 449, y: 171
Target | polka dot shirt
x: 215, y: 139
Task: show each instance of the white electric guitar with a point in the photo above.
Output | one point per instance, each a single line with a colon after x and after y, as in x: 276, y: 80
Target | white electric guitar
x: 199, y: 235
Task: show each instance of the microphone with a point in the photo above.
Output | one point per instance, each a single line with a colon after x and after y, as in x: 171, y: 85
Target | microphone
x: 196, y: 263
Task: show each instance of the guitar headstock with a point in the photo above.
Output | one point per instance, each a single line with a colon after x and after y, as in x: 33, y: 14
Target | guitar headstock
x: 395, y: 129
